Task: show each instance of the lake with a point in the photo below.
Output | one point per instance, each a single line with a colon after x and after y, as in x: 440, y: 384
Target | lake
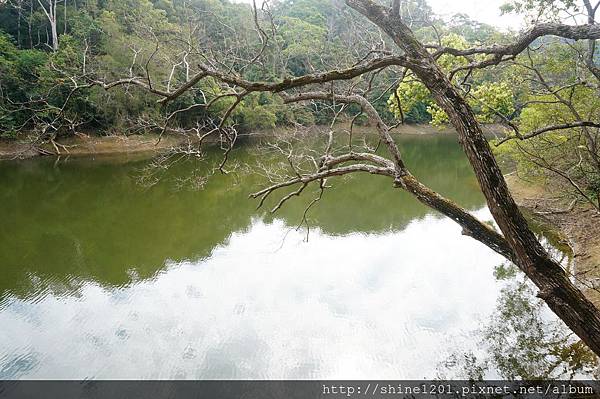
x: 103, y: 276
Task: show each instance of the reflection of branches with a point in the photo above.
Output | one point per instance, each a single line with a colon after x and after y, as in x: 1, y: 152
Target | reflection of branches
x: 522, y: 342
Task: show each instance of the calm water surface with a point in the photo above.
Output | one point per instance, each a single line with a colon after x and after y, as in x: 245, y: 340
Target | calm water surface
x: 101, y: 277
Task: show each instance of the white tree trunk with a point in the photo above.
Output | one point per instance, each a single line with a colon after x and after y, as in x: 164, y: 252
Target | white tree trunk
x: 51, y: 15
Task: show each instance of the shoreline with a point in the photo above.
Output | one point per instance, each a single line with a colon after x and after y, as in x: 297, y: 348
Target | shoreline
x: 89, y: 145
x: 576, y: 226
x: 93, y: 144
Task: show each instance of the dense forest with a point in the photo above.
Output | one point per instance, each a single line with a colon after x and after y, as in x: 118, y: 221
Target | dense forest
x: 108, y: 40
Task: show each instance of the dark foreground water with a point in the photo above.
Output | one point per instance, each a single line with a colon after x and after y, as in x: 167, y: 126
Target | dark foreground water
x: 103, y: 277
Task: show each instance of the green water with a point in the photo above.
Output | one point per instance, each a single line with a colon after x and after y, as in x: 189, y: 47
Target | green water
x: 91, y: 218
x: 103, y: 277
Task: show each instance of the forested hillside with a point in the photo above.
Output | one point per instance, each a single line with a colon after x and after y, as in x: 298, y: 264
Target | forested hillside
x: 112, y: 40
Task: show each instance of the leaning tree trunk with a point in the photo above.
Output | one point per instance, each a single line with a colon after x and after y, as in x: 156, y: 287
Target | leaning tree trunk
x: 556, y: 289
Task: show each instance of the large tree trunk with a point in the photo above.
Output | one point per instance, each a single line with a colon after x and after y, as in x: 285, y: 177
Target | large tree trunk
x: 556, y: 289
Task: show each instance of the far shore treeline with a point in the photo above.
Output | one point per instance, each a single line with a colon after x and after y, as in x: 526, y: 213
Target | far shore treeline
x: 115, y: 39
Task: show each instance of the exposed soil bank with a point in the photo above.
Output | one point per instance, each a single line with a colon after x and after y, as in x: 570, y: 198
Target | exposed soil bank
x: 579, y: 226
x: 90, y: 145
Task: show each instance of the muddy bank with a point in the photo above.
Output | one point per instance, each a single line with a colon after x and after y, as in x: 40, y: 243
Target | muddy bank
x: 579, y: 226
x: 90, y: 145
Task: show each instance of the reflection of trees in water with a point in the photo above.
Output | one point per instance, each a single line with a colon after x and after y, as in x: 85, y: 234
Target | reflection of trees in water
x: 523, y: 340
x: 88, y: 220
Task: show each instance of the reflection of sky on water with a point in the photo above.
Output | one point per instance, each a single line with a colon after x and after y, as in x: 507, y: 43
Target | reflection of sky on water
x: 390, y: 305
